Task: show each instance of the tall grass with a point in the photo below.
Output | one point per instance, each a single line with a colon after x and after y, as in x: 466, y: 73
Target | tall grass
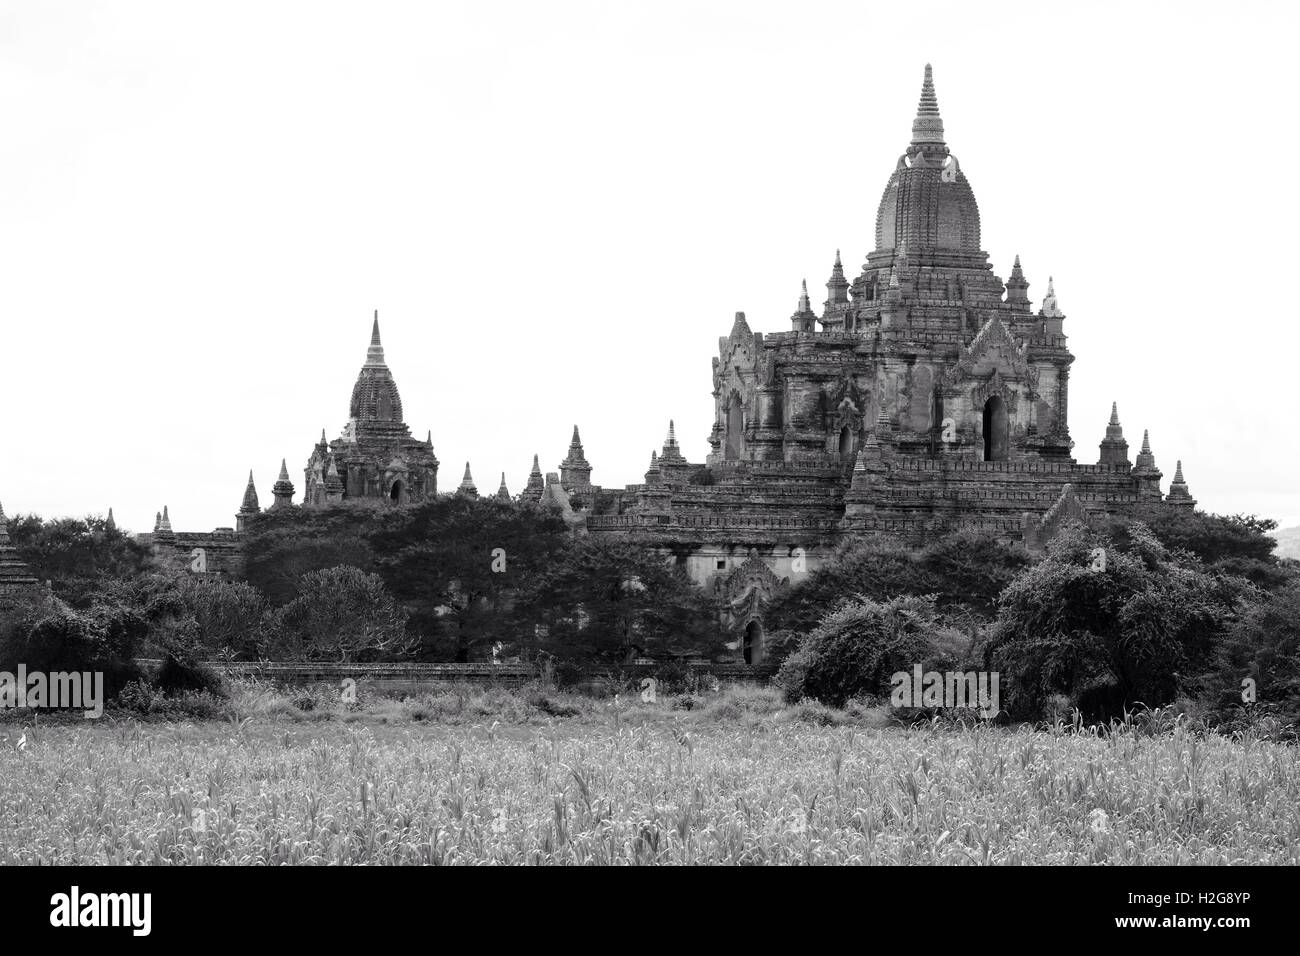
x: 741, y: 780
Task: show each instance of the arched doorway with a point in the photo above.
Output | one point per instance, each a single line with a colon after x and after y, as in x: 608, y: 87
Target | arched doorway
x: 396, y: 493
x: 846, y: 442
x: 752, y: 643
x: 735, y: 429
x: 995, y: 429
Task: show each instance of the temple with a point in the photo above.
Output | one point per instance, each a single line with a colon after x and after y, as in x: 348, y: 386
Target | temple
x: 928, y: 396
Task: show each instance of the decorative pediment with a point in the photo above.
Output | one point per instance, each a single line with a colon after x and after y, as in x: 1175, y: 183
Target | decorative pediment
x: 995, y: 343
x: 750, y: 585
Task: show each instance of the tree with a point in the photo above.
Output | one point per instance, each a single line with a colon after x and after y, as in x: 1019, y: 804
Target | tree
x: 458, y: 565
x: 1239, y: 545
x: 603, y: 603
x: 1262, y: 644
x: 78, y: 556
x: 1108, y: 626
x: 340, y: 614
x: 962, y: 570
x: 280, y: 547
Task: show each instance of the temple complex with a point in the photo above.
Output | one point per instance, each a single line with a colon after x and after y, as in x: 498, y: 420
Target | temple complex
x: 928, y: 396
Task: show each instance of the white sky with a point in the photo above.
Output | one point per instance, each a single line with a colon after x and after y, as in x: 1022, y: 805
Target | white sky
x: 557, y: 207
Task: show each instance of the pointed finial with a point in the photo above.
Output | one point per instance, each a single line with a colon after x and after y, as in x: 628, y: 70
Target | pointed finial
x: 428, y: 437
x: 375, y: 354
x: 575, y: 440
x: 110, y: 522
x: 672, y: 433
x: 1146, y: 442
x: 927, y: 128
x: 804, y: 304
x: 284, y: 470
x: 322, y: 437
x: 1178, y: 474
x: 1051, y: 308
x: 1114, y: 413
x: 537, y: 469
x: 837, y: 259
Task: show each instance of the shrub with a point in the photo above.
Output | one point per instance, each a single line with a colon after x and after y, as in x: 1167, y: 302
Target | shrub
x: 340, y: 614
x: 855, y: 650
x: 1139, y: 631
x: 104, y: 639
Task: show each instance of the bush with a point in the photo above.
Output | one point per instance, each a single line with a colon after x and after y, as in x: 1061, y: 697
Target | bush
x: 341, y: 614
x: 855, y: 650
x: 104, y: 639
x: 1141, y: 630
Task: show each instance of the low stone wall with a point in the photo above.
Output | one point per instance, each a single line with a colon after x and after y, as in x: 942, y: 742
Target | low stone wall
x: 398, y: 679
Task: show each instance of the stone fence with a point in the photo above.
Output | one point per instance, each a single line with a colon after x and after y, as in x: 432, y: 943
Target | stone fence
x: 410, y: 678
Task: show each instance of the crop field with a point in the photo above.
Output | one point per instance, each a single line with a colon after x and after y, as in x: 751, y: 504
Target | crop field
x: 743, y: 781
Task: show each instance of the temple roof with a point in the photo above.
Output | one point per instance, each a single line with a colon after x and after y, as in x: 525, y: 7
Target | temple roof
x: 928, y: 204
x: 375, y: 396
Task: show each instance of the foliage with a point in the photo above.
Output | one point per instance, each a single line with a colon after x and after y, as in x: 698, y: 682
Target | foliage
x: 281, y: 546
x: 961, y: 570
x: 1239, y: 545
x: 106, y: 639
x: 1141, y: 629
x: 78, y: 556
x: 340, y: 614
x: 605, y: 603
x: 1263, y: 644
x: 856, y: 648
x: 458, y: 563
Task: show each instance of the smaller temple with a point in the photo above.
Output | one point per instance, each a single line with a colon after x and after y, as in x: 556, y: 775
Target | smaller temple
x: 17, y: 583
x: 1179, y: 496
x: 575, y: 473
x: 467, y: 484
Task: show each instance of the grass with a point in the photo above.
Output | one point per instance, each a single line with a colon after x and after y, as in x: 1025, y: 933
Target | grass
x: 479, y: 775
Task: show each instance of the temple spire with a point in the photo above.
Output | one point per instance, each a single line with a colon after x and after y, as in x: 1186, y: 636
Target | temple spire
x: 249, y: 506
x: 282, y: 490
x: 927, y: 128
x: 110, y: 523
x: 804, y: 318
x: 1051, y: 308
x: 467, y: 483
x: 503, y: 492
x: 1114, y: 447
x: 375, y: 354
x: 1179, y: 495
x: 536, y: 486
x: 575, y: 472
x: 1017, y: 287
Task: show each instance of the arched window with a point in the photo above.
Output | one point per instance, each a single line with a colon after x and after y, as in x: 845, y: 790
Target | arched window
x: 395, y: 493
x: 735, y: 429
x: 995, y: 429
